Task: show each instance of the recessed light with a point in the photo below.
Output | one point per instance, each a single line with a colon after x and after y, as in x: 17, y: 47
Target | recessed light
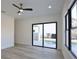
x: 49, y: 6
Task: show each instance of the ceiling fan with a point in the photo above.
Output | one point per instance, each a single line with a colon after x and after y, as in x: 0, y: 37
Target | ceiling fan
x: 21, y: 9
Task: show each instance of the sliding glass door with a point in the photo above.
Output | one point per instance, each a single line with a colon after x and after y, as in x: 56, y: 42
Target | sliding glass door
x: 44, y: 35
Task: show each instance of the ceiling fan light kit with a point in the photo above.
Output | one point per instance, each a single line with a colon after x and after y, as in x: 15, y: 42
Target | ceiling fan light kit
x: 21, y: 10
x: 19, y: 13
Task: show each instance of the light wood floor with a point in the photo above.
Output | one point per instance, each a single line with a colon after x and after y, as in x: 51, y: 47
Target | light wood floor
x: 30, y: 52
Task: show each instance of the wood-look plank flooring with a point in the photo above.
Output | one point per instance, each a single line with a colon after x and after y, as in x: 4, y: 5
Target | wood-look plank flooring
x: 30, y: 52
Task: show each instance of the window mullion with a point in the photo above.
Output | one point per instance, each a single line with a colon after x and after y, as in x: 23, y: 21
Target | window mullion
x: 69, y: 17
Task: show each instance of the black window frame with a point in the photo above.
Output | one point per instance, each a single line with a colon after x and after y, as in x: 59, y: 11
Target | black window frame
x: 70, y: 27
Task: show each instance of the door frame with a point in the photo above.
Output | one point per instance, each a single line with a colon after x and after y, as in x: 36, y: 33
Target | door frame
x: 43, y: 34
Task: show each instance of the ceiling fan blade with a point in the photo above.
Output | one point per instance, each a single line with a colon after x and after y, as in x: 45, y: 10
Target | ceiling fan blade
x: 16, y: 6
x: 28, y: 9
x: 18, y: 12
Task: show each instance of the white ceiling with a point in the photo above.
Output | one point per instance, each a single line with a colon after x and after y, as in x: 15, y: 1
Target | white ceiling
x: 40, y: 7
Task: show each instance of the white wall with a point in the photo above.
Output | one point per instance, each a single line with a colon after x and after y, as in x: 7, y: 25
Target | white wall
x: 66, y: 52
x: 7, y: 31
x: 23, y: 29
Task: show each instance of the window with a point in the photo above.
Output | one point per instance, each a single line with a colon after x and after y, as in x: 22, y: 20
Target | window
x: 74, y: 29
x: 66, y: 31
x: 71, y: 29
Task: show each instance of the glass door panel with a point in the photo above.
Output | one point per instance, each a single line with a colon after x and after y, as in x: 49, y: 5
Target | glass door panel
x: 50, y: 35
x: 37, y: 34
